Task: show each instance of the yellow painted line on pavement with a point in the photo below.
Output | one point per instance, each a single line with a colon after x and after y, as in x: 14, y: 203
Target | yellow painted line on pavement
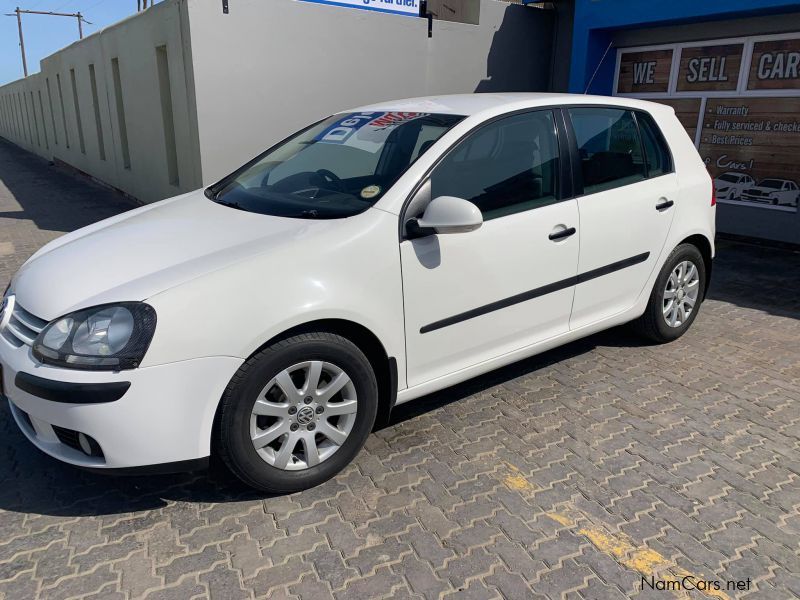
x: 562, y: 519
x: 516, y: 480
x: 641, y: 559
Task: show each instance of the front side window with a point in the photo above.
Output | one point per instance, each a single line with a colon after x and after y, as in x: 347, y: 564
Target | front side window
x: 506, y: 167
x: 774, y: 184
x: 609, y: 147
x: 334, y: 169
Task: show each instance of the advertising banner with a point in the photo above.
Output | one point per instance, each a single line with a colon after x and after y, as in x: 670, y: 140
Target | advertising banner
x: 399, y: 7
x: 775, y: 65
x: 687, y: 110
x: 644, y: 72
x: 751, y: 147
x: 743, y: 95
x: 710, y: 68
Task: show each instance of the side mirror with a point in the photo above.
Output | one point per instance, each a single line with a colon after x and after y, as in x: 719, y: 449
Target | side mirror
x: 447, y: 214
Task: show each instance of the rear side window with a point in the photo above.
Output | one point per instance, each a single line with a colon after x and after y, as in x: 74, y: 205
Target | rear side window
x: 609, y: 146
x: 656, y: 152
x: 506, y: 167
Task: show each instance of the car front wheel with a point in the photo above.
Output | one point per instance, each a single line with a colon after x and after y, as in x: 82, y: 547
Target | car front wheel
x: 676, y: 296
x: 297, y: 413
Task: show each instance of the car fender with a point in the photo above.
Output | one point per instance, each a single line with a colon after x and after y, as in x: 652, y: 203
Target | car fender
x: 350, y: 273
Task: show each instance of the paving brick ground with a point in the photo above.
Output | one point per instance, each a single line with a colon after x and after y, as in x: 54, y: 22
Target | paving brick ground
x: 569, y: 475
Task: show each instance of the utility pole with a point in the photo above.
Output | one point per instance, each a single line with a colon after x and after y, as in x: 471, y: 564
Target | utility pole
x: 19, y: 12
x: 21, y: 42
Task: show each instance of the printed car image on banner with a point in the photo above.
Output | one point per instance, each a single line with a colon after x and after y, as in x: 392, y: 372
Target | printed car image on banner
x: 399, y: 7
x: 752, y: 149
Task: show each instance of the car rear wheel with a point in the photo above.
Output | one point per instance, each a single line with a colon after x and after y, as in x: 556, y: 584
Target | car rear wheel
x: 676, y: 296
x: 297, y: 413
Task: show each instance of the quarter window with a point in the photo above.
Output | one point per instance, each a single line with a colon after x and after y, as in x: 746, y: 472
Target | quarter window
x: 657, y: 156
x: 609, y: 146
x: 506, y: 167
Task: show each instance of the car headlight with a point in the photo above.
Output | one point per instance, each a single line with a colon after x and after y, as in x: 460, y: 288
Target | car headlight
x: 723, y: 189
x: 112, y: 337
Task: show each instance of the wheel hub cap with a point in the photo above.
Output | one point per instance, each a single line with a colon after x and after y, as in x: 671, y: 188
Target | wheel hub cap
x: 681, y: 293
x: 303, y: 415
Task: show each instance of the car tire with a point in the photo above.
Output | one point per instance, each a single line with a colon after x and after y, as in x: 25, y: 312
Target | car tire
x: 659, y: 323
x: 263, y: 378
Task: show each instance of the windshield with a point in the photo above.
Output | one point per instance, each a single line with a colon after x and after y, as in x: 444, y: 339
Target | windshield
x: 728, y: 178
x: 337, y: 168
x: 771, y: 183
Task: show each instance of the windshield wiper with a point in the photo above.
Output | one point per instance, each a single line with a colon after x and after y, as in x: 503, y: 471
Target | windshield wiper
x: 228, y: 203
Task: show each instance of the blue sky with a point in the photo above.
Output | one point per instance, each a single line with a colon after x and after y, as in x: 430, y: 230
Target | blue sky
x: 45, y: 34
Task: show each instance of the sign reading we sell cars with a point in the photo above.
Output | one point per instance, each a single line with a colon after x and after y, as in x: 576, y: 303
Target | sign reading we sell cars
x: 399, y: 7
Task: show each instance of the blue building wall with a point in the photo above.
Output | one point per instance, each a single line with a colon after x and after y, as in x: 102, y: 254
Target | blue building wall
x: 597, y: 20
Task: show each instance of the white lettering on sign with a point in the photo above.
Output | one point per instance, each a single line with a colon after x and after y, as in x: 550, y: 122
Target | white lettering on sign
x: 644, y: 72
x: 709, y: 68
x: 724, y: 163
x: 779, y: 65
x: 399, y: 7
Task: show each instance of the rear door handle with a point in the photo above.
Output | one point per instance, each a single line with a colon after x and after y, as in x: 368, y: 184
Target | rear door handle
x: 560, y: 235
x: 664, y: 204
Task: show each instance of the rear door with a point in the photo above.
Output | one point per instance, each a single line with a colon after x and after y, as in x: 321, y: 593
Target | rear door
x: 626, y: 208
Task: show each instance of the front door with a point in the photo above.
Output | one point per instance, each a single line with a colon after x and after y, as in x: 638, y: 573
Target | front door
x: 470, y: 297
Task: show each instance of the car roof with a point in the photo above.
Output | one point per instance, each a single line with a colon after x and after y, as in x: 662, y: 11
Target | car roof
x: 472, y: 104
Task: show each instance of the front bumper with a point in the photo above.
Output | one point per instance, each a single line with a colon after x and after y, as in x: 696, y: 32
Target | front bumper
x: 764, y: 199
x: 165, y: 416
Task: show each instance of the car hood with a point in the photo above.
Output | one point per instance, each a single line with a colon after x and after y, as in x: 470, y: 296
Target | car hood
x: 146, y: 251
x: 763, y: 190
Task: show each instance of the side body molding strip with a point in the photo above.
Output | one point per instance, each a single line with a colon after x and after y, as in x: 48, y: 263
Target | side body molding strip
x: 536, y: 293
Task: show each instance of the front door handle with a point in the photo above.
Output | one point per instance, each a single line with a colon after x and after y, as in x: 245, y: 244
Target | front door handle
x: 664, y: 204
x: 560, y: 235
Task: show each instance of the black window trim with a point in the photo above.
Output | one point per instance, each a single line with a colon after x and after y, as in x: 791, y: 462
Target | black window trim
x: 660, y: 140
x: 577, y: 175
x: 565, y: 174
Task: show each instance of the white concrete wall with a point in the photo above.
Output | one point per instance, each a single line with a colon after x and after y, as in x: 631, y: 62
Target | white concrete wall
x: 243, y: 81
x: 273, y: 66
x: 133, y: 43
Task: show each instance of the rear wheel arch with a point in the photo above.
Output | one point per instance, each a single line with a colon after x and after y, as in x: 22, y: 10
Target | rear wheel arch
x: 703, y: 244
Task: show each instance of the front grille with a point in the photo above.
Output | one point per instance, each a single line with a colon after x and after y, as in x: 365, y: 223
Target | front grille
x: 22, y: 327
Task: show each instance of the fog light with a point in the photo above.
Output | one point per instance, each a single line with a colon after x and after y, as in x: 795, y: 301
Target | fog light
x: 89, y: 445
x: 84, y: 443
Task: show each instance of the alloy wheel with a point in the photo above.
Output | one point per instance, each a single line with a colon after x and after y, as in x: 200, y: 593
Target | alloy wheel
x: 681, y: 293
x: 303, y: 415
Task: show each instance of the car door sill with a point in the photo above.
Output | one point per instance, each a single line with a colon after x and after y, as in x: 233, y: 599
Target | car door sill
x: 433, y: 385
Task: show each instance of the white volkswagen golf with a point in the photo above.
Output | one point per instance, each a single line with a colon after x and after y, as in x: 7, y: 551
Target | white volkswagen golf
x: 370, y: 259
